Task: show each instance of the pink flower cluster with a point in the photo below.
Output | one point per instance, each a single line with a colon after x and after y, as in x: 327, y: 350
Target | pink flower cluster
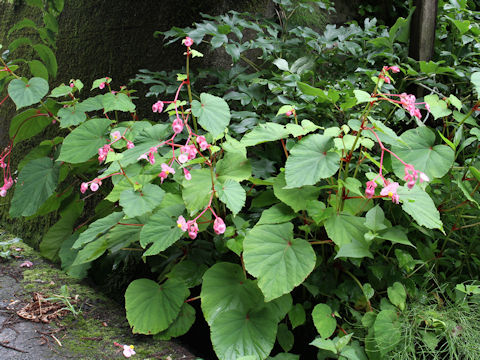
x: 5, y: 166
x: 94, y: 185
x: 128, y: 350
x: 192, y: 227
x: 105, y: 149
x: 384, y: 73
x: 157, y: 107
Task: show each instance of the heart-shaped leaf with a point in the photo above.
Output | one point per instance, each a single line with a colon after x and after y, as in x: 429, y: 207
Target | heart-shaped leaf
x: 151, y: 307
x: 279, y: 261
x: 25, y: 94
x: 137, y: 203
x: 213, y: 113
x: 323, y: 320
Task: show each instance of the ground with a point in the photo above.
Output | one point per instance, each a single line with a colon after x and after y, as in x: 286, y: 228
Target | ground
x: 89, y: 335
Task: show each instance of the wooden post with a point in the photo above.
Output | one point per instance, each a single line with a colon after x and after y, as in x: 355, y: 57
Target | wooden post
x: 422, y: 31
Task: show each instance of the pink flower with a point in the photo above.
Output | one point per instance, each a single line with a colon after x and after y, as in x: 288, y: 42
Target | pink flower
x: 289, y: 113
x: 187, y: 174
x: 370, y: 190
x: 219, y: 226
x: 83, y: 187
x: 116, y: 135
x: 394, y: 69
x: 103, y: 152
x: 165, y: 171
x: 157, y: 107
x: 390, y: 190
x: 94, y: 186
x: 424, y: 177
x: 202, y: 142
x: 130, y: 145
x: 3, y: 193
x: 72, y: 84
x: 427, y: 107
x: 192, y: 229
x: 27, y: 264
x: 177, y: 126
x: 183, y: 158
x: 181, y: 223
x: 128, y: 351
x: 101, y: 86
x: 190, y: 151
x: 188, y: 41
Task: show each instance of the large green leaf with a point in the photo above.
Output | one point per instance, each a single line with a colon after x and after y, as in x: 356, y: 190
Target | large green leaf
x: 263, y: 133
x: 27, y: 124
x: 67, y: 256
x: 120, y: 102
x: 235, y: 166
x: 279, y: 261
x: 161, y: 230
x: 197, y: 191
x: 91, y: 251
x: 25, y: 94
x: 99, y: 227
x: 343, y: 228
x: 310, y: 160
x: 226, y: 288
x: 137, y: 203
x: 387, y: 329
x: 89, y: 137
x: 420, y: 151
x: 323, y: 320
x: 36, y: 182
x: 52, y: 241
x: 277, y: 214
x: 181, y: 325
x: 238, y: 333
x: 48, y: 58
x: 233, y: 195
x: 71, y: 117
x: 151, y: 307
x: 297, y: 198
x: 419, y: 205
x: 213, y: 113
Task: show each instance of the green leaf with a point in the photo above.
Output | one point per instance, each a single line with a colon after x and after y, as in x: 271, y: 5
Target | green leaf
x: 297, y: 198
x: 189, y: 272
x: 234, y: 166
x: 22, y: 24
x: 297, y: 315
x: 455, y: 102
x: 71, y: 117
x: 197, y: 191
x: 301, y: 130
x: 438, y: 108
x: 263, y: 133
x: 151, y: 307
x: 48, y: 58
x: 27, y: 124
x: 284, y: 109
x: 225, y: 288
x: 119, y: 102
x: 375, y: 219
x: 282, y: 64
x: 38, y: 69
x: 362, y: 96
x: 67, y: 256
x: 313, y: 91
x: 419, y: 205
x: 277, y: 214
x: 213, y: 113
x: 387, y: 330
x: 238, y: 333
x: 99, y: 227
x: 324, y: 320
x: 232, y: 194
x: 420, y: 151
x: 61, y: 90
x: 180, y: 325
x: 310, y: 160
x: 89, y: 136
x: 52, y: 241
x: 356, y: 249
x: 324, y: 344
x: 36, y: 182
x: 279, y: 262
x: 344, y: 228
x: 396, y: 235
x: 91, y: 251
x: 285, y: 337
x: 137, y: 203
x: 397, y: 295
x: 161, y: 230
x: 25, y: 94
x: 475, y: 79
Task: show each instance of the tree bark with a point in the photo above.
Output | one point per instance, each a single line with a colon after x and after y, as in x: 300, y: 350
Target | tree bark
x: 422, y: 34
